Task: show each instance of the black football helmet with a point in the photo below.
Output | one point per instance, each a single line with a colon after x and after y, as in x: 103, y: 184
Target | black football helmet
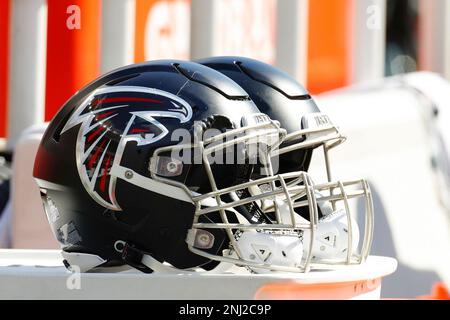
x: 283, y: 99
x: 130, y: 174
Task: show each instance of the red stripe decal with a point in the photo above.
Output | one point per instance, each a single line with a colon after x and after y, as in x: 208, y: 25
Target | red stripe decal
x: 137, y: 130
x: 94, y: 157
x: 105, y: 173
x: 94, y: 134
x: 124, y: 99
x: 103, y: 115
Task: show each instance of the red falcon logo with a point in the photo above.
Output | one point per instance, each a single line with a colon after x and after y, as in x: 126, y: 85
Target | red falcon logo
x: 111, y: 117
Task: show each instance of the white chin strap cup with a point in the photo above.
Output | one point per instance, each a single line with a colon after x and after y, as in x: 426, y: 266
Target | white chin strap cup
x: 331, y: 237
x: 270, y: 249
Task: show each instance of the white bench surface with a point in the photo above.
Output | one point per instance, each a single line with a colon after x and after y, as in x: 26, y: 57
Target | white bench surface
x: 40, y: 274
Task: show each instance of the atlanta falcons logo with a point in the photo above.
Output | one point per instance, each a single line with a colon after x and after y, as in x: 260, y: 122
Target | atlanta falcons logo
x: 104, y: 133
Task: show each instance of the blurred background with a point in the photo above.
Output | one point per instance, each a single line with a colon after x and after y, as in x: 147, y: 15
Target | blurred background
x: 379, y: 68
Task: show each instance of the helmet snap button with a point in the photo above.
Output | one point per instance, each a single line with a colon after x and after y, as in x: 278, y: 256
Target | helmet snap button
x: 128, y: 174
x: 119, y: 245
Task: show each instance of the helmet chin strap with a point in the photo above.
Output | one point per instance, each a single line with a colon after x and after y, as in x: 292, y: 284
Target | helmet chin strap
x: 274, y: 248
x: 331, y: 238
x: 281, y: 249
x: 277, y: 249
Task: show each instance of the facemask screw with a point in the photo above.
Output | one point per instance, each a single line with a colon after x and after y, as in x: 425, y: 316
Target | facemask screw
x: 252, y: 257
x: 172, y: 167
x: 128, y: 174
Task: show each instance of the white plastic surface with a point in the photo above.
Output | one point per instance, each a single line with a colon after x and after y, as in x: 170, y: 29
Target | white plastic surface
x: 39, y: 274
x: 29, y: 225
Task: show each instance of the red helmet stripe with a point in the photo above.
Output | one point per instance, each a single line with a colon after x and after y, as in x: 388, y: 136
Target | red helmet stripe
x: 95, y: 156
x: 94, y: 134
x: 103, y: 115
x: 124, y: 99
x: 137, y: 130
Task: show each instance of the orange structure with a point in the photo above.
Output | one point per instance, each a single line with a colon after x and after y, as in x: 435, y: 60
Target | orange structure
x: 162, y: 29
x: 73, y: 49
x: 142, y: 9
x: 438, y: 292
x: 319, y: 291
x: 329, y: 44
